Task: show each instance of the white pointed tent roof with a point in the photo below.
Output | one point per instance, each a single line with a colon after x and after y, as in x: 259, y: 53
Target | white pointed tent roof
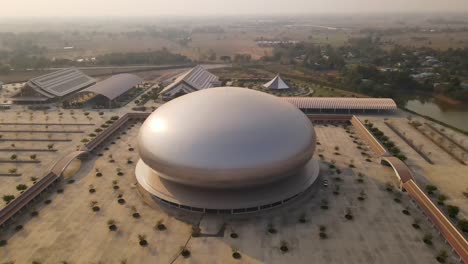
x: 277, y: 83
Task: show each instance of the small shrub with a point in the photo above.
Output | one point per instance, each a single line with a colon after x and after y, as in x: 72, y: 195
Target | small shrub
x: 21, y: 187
x: 160, y: 226
x: 463, y: 225
x: 324, y: 205
x: 452, y: 210
x: 143, y: 241
x: 431, y: 188
x: 3, y: 243
x: 284, y: 247
x: 236, y: 255
x: 427, y: 239
x: 185, y: 253
x: 442, y: 257
x: 112, y: 225
x: 48, y: 201
x: 302, y: 219
x: 389, y: 188
x: 271, y: 229
x: 8, y: 198
x: 234, y: 235
x: 349, y: 215
x: 323, y: 235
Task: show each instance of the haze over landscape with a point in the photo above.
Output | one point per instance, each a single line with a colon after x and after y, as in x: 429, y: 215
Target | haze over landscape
x: 234, y: 131
x: 47, y: 8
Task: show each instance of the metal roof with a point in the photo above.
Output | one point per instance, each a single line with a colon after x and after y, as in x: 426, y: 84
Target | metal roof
x: 346, y: 103
x: 197, y: 78
x: 61, y: 82
x: 114, y: 86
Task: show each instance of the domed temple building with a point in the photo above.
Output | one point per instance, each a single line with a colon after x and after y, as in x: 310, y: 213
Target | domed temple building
x: 226, y: 150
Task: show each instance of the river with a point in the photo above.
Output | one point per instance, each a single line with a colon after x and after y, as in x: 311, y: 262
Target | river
x: 457, y: 117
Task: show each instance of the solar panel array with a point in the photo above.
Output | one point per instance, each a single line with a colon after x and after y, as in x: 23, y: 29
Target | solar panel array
x: 114, y: 86
x: 196, y: 78
x: 61, y: 83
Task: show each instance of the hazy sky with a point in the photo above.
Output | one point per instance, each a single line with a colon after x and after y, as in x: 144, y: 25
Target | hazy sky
x: 45, y: 8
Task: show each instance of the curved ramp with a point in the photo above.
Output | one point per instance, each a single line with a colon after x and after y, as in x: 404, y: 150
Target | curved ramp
x: 63, y: 163
x: 402, y: 171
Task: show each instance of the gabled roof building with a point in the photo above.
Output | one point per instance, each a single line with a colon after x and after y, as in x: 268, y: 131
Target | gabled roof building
x: 193, y: 80
x: 54, y: 85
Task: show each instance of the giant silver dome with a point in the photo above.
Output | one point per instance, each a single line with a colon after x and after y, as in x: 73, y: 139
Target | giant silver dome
x: 226, y: 138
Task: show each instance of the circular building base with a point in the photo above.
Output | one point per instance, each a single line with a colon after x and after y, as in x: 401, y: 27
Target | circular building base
x: 230, y: 201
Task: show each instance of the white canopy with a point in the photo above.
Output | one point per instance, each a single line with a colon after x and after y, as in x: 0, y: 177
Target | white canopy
x: 277, y: 83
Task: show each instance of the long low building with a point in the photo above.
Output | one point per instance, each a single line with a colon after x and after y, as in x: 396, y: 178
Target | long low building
x: 342, y: 104
x: 53, y: 85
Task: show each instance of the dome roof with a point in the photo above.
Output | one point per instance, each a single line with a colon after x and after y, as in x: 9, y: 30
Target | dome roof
x: 226, y: 138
